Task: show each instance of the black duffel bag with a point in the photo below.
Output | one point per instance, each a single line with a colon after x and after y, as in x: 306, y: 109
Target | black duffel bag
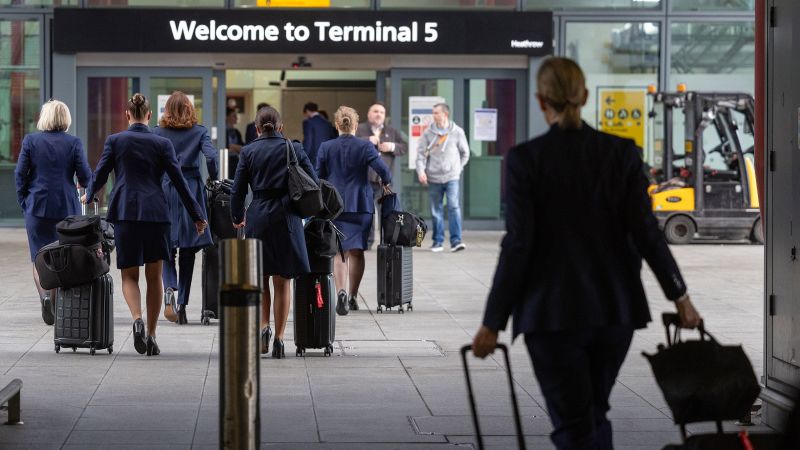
x: 404, y: 229
x: 702, y: 380
x: 69, y: 265
x: 323, y: 239
x: 332, y: 203
x: 304, y: 192
x: 219, y: 209
x: 80, y: 230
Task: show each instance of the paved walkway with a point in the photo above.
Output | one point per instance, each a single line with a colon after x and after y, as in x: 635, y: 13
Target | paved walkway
x: 395, y: 381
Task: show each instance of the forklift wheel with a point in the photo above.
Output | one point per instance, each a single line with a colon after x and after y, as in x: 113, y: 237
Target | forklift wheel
x: 757, y: 236
x: 680, y: 230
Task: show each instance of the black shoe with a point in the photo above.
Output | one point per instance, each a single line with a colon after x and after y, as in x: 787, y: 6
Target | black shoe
x: 341, y: 304
x: 354, y: 303
x: 152, y: 347
x: 138, y: 337
x: 47, y: 309
x: 266, y: 335
x: 182, y: 320
x: 170, y: 308
x: 277, y: 349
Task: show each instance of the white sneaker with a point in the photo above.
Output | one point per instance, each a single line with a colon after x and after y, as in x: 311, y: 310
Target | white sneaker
x: 460, y: 246
x: 437, y: 248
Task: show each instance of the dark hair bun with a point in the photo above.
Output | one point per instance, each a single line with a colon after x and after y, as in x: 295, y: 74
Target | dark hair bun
x: 138, y: 99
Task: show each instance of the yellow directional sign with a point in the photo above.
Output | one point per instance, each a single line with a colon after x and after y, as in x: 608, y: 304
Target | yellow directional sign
x: 622, y: 112
x: 293, y: 3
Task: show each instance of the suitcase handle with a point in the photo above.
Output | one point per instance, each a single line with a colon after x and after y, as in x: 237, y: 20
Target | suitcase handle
x: 517, y: 420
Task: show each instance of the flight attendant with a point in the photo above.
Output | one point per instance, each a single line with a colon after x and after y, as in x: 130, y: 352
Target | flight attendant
x: 45, y: 176
x: 262, y: 166
x: 140, y: 213
x: 179, y: 125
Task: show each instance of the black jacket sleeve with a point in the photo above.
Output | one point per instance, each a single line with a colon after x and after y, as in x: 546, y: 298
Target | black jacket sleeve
x: 643, y: 225
x: 517, y: 247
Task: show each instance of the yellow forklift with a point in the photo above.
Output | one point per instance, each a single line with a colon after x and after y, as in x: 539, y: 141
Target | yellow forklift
x: 708, y: 190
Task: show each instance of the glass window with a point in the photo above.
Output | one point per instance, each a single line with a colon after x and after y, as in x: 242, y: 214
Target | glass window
x: 153, y: 3
x: 713, y: 5
x: 619, y: 60
x: 592, y: 4
x: 300, y: 4
x: 20, y: 62
x: 38, y: 3
x: 448, y: 4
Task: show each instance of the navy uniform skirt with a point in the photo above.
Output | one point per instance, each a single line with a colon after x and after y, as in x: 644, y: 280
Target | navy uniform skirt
x: 355, y: 227
x: 283, y: 244
x: 41, y: 232
x: 140, y: 243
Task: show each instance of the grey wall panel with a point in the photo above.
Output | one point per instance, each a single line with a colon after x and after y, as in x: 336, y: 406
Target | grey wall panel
x: 65, y: 84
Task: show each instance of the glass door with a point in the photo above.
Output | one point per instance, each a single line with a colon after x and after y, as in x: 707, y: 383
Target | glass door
x: 103, y: 94
x: 490, y: 105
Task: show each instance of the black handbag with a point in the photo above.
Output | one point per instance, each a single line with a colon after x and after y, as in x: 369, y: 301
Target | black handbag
x: 333, y: 205
x: 703, y: 380
x: 80, y: 230
x: 69, y: 265
x: 304, y: 192
x: 219, y: 209
x: 323, y: 239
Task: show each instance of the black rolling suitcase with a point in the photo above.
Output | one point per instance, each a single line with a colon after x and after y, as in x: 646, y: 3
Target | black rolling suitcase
x: 219, y: 213
x: 395, y: 277
x: 314, y: 312
x: 85, y: 316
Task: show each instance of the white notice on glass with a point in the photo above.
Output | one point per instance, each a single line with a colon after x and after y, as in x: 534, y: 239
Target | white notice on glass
x: 420, y: 118
x: 485, y: 124
x: 162, y: 103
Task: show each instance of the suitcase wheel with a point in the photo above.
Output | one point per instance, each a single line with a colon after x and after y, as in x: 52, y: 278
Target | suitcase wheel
x: 205, y: 320
x: 299, y: 352
x: 92, y: 350
x: 58, y: 348
x: 110, y: 349
x: 409, y: 307
x: 380, y: 309
x: 400, y: 310
x: 329, y: 350
x: 74, y: 349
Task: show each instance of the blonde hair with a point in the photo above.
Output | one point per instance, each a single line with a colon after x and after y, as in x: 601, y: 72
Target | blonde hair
x: 562, y: 85
x: 55, y: 116
x: 346, y: 119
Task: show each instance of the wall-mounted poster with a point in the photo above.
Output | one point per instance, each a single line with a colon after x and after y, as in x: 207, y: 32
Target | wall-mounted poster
x: 485, y: 124
x: 420, y: 116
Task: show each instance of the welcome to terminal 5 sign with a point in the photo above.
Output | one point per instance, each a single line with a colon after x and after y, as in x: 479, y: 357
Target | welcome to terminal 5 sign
x: 307, y: 31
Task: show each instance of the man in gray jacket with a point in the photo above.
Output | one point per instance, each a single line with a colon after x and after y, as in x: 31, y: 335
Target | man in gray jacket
x: 442, y: 154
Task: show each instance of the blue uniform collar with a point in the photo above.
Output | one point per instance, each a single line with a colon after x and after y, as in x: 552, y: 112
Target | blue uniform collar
x: 139, y: 127
x: 277, y: 135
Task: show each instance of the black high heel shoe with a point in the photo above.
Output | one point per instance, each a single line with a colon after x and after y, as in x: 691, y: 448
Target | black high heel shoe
x: 138, y: 337
x: 266, y: 335
x: 152, y: 347
x: 354, y: 303
x: 182, y: 320
x: 342, y: 307
x: 277, y: 349
x: 170, y: 306
x: 48, y: 312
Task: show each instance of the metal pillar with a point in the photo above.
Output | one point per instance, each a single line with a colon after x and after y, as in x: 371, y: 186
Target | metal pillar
x: 240, y: 300
x: 223, y: 164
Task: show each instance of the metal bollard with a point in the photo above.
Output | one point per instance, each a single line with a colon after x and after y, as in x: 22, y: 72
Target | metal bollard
x: 223, y: 164
x: 241, y: 284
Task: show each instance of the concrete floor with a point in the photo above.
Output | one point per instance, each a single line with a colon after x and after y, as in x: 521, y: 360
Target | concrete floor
x: 394, y: 381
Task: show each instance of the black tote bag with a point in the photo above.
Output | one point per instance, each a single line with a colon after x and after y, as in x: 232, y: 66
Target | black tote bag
x: 703, y: 380
x: 304, y: 192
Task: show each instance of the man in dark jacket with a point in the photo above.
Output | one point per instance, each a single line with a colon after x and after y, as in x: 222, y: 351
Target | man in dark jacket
x: 316, y: 130
x: 390, y: 144
x: 250, y: 133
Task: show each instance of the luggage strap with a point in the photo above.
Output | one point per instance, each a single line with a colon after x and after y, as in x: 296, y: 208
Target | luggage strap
x: 396, y: 231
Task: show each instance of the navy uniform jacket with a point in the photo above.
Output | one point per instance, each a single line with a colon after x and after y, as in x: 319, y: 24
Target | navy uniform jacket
x: 139, y: 160
x: 344, y: 162
x: 189, y: 144
x: 316, y: 130
x: 47, y: 165
x: 262, y: 166
x: 578, y: 221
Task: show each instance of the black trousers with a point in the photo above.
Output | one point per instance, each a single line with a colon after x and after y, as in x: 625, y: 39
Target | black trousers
x: 576, y: 371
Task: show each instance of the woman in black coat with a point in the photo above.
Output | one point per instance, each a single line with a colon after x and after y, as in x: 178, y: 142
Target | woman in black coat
x: 262, y: 166
x: 579, y: 222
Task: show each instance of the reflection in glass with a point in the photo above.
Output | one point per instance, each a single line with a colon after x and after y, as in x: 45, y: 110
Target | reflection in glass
x: 107, y: 102
x: 448, y: 4
x: 592, y: 4
x: 161, y: 3
x: 713, y: 5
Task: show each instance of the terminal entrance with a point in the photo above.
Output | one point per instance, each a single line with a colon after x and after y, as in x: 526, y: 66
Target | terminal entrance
x: 102, y: 93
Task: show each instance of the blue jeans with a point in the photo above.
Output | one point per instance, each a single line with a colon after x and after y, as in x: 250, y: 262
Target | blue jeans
x: 437, y: 191
x: 180, y: 279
